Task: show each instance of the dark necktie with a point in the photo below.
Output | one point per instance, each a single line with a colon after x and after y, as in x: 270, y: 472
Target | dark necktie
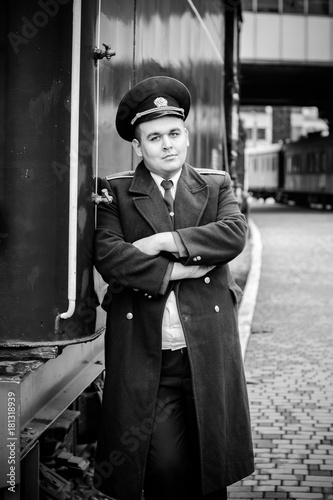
x: 168, y: 198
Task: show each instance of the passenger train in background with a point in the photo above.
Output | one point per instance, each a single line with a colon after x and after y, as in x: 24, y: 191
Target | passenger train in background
x: 300, y: 172
x: 65, y: 65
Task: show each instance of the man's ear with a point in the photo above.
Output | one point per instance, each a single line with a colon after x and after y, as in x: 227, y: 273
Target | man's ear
x: 137, y: 147
x: 188, y: 140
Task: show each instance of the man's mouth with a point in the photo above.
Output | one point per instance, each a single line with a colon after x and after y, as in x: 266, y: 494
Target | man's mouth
x: 169, y: 156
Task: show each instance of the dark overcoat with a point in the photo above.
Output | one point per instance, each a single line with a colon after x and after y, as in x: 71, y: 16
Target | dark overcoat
x: 213, y: 231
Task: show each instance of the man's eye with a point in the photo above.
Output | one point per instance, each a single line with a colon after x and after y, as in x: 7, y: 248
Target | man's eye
x: 174, y: 134
x: 154, y: 138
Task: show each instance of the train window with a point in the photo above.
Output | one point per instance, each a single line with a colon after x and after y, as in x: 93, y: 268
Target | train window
x: 288, y: 164
x: 295, y: 169
x: 293, y: 6
x: 323, y: 162
x: 310, y: 163
x: 268, y: 5
x: 316, y: 162
x: 318, y: 7
x: 247, y: 5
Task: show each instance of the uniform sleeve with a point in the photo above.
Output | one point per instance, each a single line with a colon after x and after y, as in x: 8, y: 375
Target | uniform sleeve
x: 119, y: 262
x: 217, y: 242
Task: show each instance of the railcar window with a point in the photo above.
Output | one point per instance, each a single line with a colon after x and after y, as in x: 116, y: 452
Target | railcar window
x: 288, y: 164
x: 293, y: 6
x: 268, y: 5
x: 312, y: 7
x: 319, y: 7
x: 295, y: 164
x: 310, y: 163
x: 261, y: 163
x: 323, y: 162
x: 247, y: 5
x: 317, y: 162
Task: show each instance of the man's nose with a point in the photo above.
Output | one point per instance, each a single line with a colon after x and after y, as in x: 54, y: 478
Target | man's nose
x: 166, y: 142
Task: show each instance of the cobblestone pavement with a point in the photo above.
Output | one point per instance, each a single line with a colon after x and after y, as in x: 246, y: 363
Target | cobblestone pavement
x: 289, y: 358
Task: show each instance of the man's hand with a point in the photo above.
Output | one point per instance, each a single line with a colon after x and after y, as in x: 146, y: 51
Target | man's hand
x: 153, y: 245
x: 180, y: 272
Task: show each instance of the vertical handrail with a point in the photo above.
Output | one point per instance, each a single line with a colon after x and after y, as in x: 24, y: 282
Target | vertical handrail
x: 74, y: 162
x: 98, y: 42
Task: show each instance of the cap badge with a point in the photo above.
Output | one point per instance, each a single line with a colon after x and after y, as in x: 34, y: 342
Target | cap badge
x: 160, y: 102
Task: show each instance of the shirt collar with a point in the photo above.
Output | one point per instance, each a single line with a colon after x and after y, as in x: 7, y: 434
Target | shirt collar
x: 158, y: 179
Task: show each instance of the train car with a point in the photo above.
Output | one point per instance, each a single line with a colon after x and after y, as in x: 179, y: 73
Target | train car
x: 263, y: 170
x: 300, y: 172
x: 308, y: 171
x: 65, y: 66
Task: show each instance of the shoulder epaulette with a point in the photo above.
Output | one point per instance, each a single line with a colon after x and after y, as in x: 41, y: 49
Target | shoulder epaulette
x: 210, y: 171
x: 120, y: 175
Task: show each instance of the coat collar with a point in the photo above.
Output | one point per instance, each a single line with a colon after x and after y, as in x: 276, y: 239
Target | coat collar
x: 190, y: 202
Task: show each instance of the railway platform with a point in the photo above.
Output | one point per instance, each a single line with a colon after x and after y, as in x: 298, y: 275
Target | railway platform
x: 289, y: 355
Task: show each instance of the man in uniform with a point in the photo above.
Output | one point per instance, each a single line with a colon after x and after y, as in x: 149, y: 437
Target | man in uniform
x: 175, y: 410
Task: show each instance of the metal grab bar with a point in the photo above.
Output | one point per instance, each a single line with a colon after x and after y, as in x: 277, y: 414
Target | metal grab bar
x: 74, y: 163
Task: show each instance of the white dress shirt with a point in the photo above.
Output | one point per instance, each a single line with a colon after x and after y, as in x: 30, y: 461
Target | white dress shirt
x: 172, y: 331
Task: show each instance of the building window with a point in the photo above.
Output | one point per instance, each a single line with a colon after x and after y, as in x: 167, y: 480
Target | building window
x: 261, y: 133
x: 268, y: 5
x: 318, y: 7
x: 293, y: 6
x: 249, y: 133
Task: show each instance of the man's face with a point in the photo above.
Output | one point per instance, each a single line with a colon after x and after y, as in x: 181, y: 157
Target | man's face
x: 162, y: 143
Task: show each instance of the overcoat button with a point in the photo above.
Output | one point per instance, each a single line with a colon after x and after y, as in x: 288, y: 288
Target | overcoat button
x: 207, y: 279
x: 217, y: 308
x: 129, y: 315
x: 150, y: 296
x: 195, y: 259
x: 198, y: 258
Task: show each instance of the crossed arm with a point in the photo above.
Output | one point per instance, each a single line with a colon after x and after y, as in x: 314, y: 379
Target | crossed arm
x: 153, y: 245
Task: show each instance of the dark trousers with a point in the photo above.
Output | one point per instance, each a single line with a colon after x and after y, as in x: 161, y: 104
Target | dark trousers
x: 173, y: 465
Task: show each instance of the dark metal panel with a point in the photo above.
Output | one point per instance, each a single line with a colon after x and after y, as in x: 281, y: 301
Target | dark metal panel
x: 173, y: 39
x: 34, y: 172
x: 36, y: 90
x: 116, y: 77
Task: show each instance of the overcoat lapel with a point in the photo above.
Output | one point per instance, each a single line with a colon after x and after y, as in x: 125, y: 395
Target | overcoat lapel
x: 192, y: 191
x: 148, y: 200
